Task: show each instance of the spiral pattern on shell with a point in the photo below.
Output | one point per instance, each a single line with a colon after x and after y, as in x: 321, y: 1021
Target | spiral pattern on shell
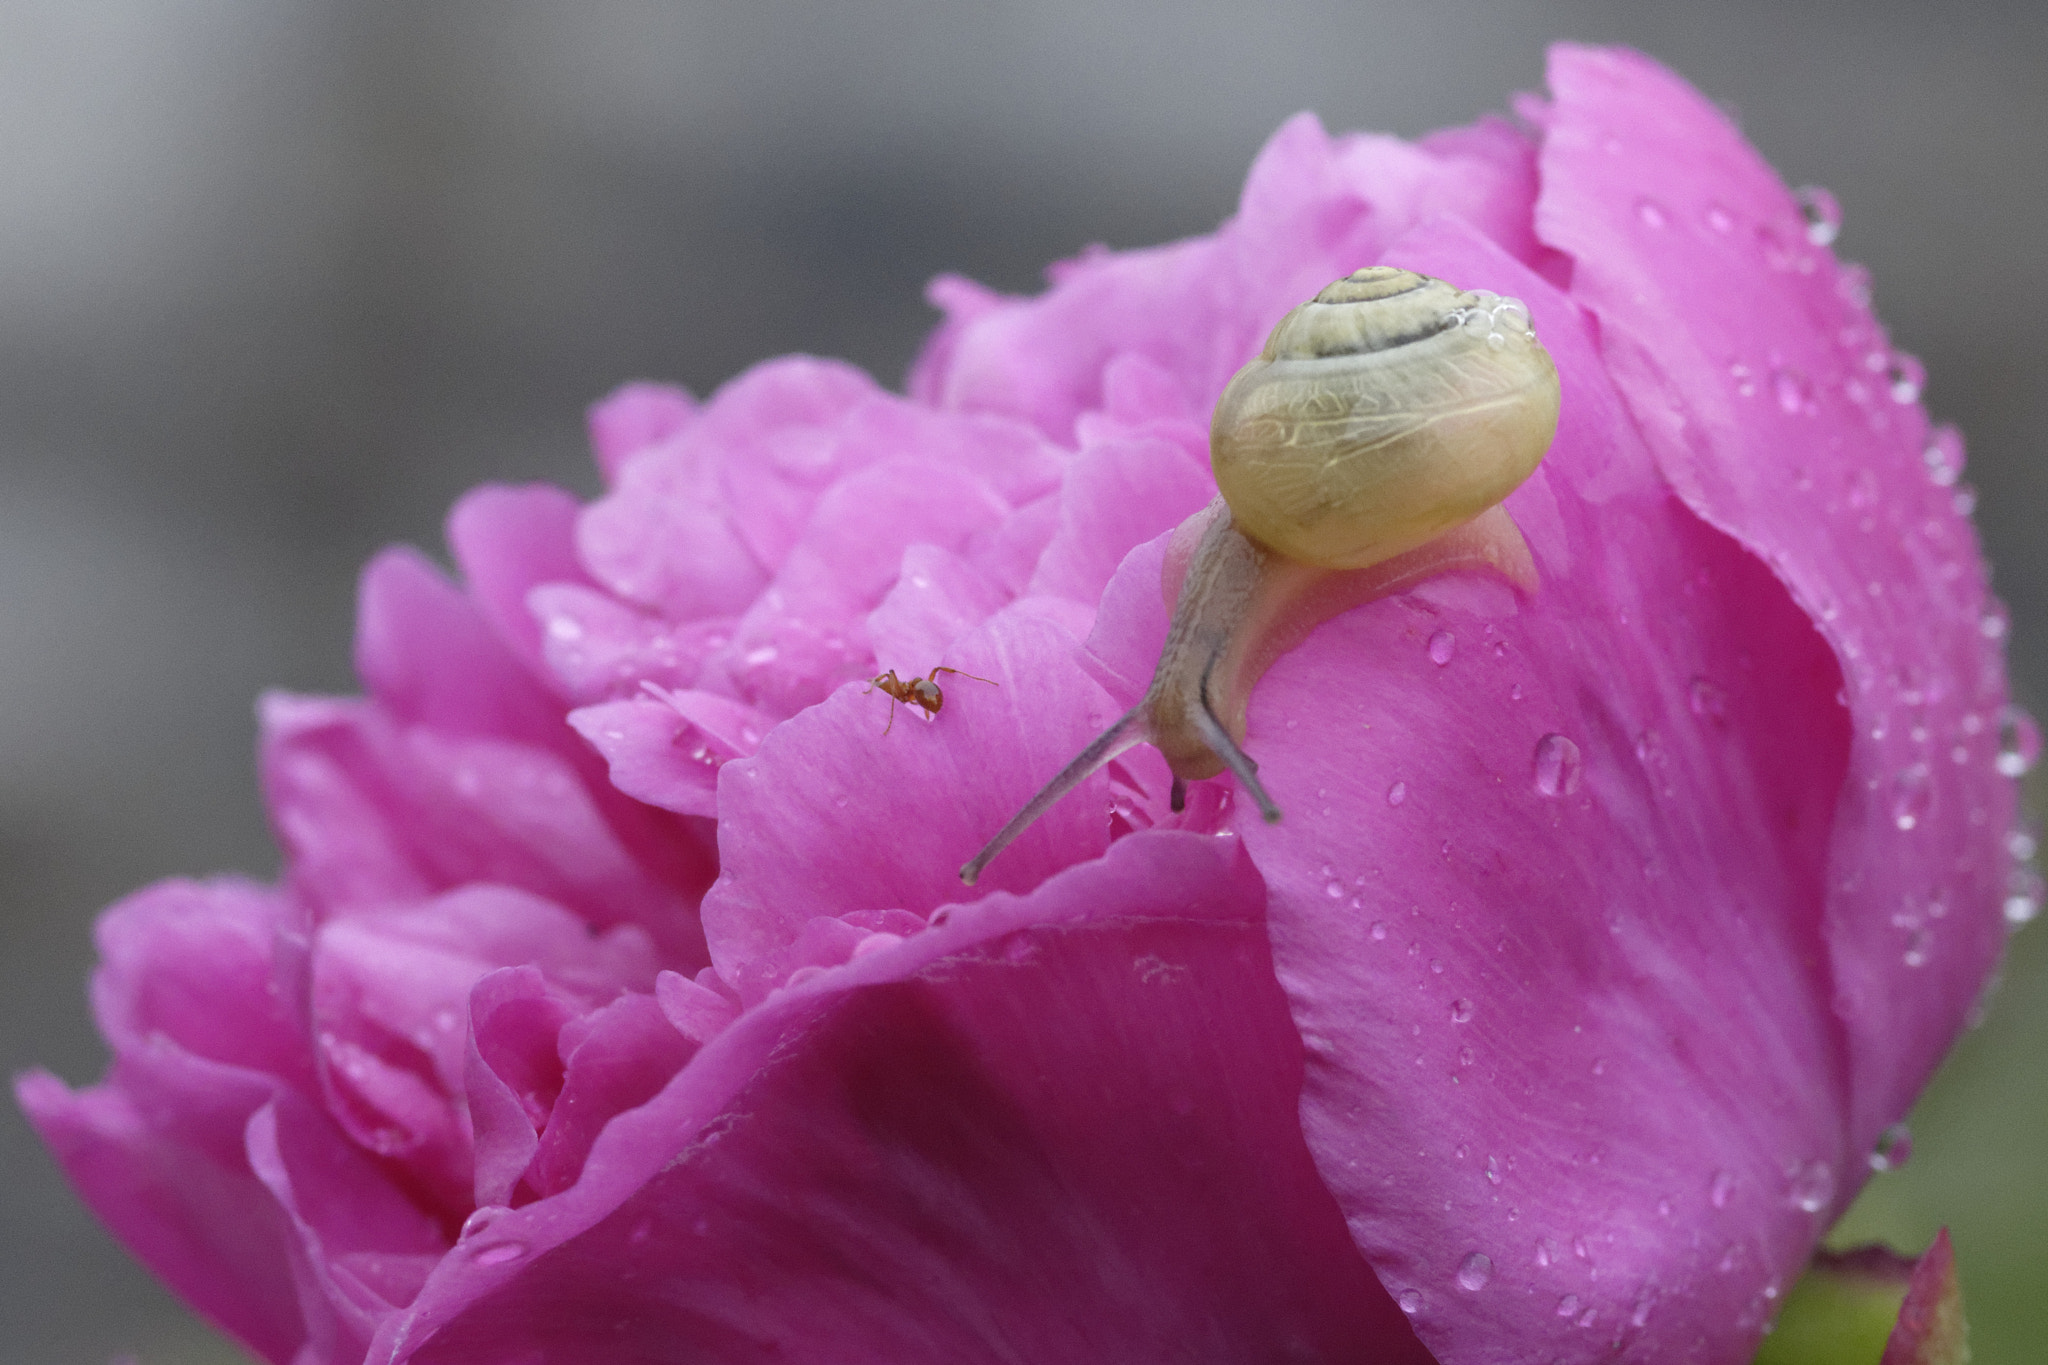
x: 1385, y: 411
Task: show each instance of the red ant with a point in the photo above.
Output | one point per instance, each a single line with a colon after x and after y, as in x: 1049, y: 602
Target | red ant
x: 915, y: 691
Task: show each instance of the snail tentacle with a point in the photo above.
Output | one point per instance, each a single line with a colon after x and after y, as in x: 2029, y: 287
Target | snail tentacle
x: 1127, y: 733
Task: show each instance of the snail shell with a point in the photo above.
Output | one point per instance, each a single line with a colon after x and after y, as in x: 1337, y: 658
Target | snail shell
x: 1382, y: 413
x: 1369, y: 444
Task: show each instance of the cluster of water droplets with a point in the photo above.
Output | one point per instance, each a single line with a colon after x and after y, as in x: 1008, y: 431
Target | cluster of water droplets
x: 1502, y: 321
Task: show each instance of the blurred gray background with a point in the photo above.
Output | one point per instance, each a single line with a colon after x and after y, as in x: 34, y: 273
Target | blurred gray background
x: 280, y: 278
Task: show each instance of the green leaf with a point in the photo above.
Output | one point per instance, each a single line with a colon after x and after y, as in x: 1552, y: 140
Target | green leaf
x: 1871, y: 1306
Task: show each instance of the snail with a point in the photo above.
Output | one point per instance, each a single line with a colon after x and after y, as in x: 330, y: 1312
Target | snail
x: 1368, y: 445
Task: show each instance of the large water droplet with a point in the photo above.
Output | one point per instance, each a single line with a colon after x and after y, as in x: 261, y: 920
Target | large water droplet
x: 1379, y: 931
x: 1410, y: 1301
x: 1461, y: 1011
x: 1894, y: 1148
x: 1474, y: 1271
x: 499, y: 1253
x: 1823, y: 214
x: 1442, y: 646
x: 1397, y: 793
x: 1557, y: 766
x: 1813, y: 1185
x: 1720, y: 1188
x: 1568, y: 1305
x: 1944, y: 456
x: 1794, y: 390
x: 2019, y: 742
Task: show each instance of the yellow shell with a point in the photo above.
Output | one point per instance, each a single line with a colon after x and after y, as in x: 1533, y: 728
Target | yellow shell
x: 1385, y: 411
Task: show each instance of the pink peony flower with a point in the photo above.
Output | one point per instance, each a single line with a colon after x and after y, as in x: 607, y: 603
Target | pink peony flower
x: 621, y: 1001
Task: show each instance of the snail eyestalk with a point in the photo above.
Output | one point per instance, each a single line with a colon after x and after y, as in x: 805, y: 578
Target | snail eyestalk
x: 1368, y: 445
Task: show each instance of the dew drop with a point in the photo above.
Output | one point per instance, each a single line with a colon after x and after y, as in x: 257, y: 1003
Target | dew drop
x: 2021, y: 846
x: 1894, y: 1148
x: 1813, y: 1185
x: 1993, y: 624
x: 1651, y: 213
x: 1557, y: 766
x: 1466, y: 1056
x: 1822, y: 212
x: 1719, y: 219
x: 1640, y: 1314
x: 1568, y: 1306
x: 500, y: 1253
x: 2019, y: 742
x: 1916, y: 948
x: 1379, y: 932
x: 1707, y: 700
x: 1474, y: 1271
x: 2022, y: 897
x: 1907, y: 376
x: 1461, y: 1011
x: 1744, y: 377
x: 1794, y: 390
x: 1493, y: 1176
x: 1397, y: 793
x: 1587, y: 1318
x: 1442, y: 646
x: 1334, y: 890
x: 1943, y: 456
x: 1410, y: 1301
x: 1721, y: 1189
x: 1913, y: 793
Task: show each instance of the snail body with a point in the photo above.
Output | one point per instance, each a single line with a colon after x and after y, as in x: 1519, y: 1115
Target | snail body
x: 1369, y: 444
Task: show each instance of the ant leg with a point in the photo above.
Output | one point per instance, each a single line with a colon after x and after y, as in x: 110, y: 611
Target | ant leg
x: 892, y: 719
x: 1179, y: 799
x: 933, y: 676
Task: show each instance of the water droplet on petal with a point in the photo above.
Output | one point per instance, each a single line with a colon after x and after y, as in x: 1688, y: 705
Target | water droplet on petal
x: 1907, y: 377
x: 2019, y: 742
x: 499, y: 1253
x: 1943, y: 456
x: 1410, y: 1301
x: 1651, y: 213
x: 1474, y: 1271
x: 2022, y: 897
x: 1557, y: 766
x: 1442, y: 646
x: 1721, y: 1188
x: 1334, y: 890
x: 1744, y: 377
x: 1461, y: 1011
x: 1917, y: 946
x: 1397, y: 793
x: 1707, y: 700
x: 1813, y: 1185
x: 1568, y: 1305
x: 1913, y: 794
x: 1822, y: 212
x: 1894, y: 1148
x: 1379, y: 931
x: 1794, y: 390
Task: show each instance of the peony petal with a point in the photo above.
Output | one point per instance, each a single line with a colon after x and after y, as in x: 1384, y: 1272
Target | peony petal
x: 938, y: 597
x: 373, y: 815
x: 426, y: 653
x: 507, y: 541
x: 513, y: 1074
x: 634, y: 417
x: 1505, y: 895
x: 953, y: 1167
x: 1118, y: 494
x: 907, y: 807
x: 618, y: 1058
x: 1662, y: 205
